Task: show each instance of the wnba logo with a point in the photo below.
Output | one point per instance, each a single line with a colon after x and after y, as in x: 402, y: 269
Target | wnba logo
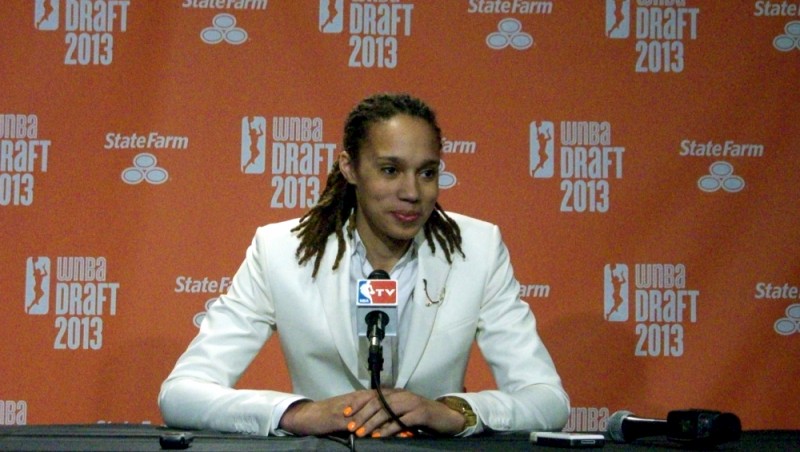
x: 37, y: 285
x: 46, y: 14
x: 542, y: 147
x: 618, y: 18
x: 254, y: 144
x: 330, y: 16
x: 615, y: 292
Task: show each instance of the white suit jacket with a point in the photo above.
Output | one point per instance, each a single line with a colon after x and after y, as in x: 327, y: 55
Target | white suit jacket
x: 270, y: 292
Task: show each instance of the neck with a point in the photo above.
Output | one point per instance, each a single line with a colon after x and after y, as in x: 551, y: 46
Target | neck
x: 383, y: 262
x: 382, y: 252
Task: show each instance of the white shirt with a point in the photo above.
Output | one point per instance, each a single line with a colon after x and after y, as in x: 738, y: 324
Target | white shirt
x: 405, y: 273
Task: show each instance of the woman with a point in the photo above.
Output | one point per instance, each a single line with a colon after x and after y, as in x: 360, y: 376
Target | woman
x: 379, y: 210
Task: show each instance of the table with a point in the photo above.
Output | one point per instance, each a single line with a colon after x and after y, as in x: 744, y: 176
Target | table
x: 128, y: 437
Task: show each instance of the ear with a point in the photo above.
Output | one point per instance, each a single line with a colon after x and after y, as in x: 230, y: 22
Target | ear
x: 347, y: 167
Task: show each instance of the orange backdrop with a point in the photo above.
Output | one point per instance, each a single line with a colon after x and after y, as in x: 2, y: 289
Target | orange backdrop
x: 640, y: 156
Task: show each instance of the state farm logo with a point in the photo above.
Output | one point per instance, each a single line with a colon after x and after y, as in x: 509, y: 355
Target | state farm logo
x: 509, y: 34
x: 720, y: 177
x: 790, y: 40
x: 446, y: 178
x: 145, y: 169
x: 223, y: 28
x: 790, y: 324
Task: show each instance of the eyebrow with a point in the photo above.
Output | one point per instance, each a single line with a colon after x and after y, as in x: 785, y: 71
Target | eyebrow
x: 397, y: 160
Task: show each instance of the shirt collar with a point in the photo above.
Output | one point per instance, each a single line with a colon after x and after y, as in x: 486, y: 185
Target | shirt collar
x: 359, y: 255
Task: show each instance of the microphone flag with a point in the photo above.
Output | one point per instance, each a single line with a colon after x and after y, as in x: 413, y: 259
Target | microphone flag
x: 377, y: 292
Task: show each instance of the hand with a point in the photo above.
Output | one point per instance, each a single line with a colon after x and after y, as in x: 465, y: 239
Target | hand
x: 327, y: 416
x: 413, y: 410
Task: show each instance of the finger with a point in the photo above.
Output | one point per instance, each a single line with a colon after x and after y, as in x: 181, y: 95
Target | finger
x: 403, y: 408
x: 392, y: 428
x: 358, y: 399
x: 378, y: 420
x: 372, y: 415
x: 359, y: 420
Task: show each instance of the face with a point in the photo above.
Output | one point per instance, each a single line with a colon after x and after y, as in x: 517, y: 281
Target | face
x: 396, y: 179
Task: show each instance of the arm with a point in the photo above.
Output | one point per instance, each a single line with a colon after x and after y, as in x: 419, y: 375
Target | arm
x: 529, y: 395
x: 199, y: 392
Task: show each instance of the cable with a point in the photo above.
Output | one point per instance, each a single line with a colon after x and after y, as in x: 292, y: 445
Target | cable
x: 376, y: 385
x: 347, y: 442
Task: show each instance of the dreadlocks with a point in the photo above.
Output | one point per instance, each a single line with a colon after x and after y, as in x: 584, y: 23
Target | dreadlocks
x: 338, y: 199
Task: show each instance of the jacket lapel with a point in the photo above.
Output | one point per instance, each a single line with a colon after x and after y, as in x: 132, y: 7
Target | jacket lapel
x: 334, y: 291
x: 429, y: 294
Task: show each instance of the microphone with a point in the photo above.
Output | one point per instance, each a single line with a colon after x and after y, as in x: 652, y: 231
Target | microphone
x: 377, y: 306
x: 377, y: 294
x: 376, y: 324
x: 624, y: 427
x: 376, y: 310
x: 694, y: 427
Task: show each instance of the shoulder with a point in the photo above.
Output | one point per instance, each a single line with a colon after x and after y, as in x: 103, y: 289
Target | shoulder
x: 278, y: 233
x: 480, y: 239
x: 471, y: 226
x: 280, y: 227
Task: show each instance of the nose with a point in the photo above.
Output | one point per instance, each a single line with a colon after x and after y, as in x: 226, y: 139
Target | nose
x: 409, y: 188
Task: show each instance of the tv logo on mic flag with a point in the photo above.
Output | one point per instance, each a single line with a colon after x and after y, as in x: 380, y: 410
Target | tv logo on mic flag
x: 377, y: 291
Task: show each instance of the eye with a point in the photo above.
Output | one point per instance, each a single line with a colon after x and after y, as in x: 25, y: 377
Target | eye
x: 389, y: 170
x: 430, y: 173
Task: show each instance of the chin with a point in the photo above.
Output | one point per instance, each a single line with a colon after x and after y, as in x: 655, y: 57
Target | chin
x: 407, y: 233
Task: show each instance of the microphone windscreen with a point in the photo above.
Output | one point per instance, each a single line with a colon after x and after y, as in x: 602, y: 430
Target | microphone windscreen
x: 615, y: 425
x: 378, y: 274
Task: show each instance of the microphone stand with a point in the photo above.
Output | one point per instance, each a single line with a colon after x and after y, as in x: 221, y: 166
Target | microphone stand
x: 376, y: 321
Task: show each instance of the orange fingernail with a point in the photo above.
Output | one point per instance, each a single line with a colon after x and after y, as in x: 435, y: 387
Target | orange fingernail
x: 361, y: 431
x: 351, y: 425
x: 376, y: 434
x: 348, y: 411
x: 409, y: 434
x: 402, y: 435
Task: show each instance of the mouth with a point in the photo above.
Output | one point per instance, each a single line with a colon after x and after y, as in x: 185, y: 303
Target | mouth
x: 406, y: 217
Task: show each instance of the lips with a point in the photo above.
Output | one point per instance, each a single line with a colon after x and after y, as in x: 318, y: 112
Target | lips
x: 406, y: 217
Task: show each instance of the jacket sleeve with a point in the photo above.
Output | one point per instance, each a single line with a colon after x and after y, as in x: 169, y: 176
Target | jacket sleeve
x: 529, y: 394
x: 199, y: 392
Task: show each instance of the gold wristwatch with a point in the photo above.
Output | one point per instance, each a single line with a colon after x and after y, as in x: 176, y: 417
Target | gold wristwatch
x: 461, y: 405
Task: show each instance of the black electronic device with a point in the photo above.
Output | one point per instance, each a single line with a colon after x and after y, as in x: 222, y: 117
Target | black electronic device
x: 702, y: 427
x: 693, y: 427
x: 175, y: 440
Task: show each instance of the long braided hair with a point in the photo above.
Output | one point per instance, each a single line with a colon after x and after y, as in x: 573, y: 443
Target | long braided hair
x: 338, y: 199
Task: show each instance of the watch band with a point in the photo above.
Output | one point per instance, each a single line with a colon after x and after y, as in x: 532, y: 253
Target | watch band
x: 463, y: 407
